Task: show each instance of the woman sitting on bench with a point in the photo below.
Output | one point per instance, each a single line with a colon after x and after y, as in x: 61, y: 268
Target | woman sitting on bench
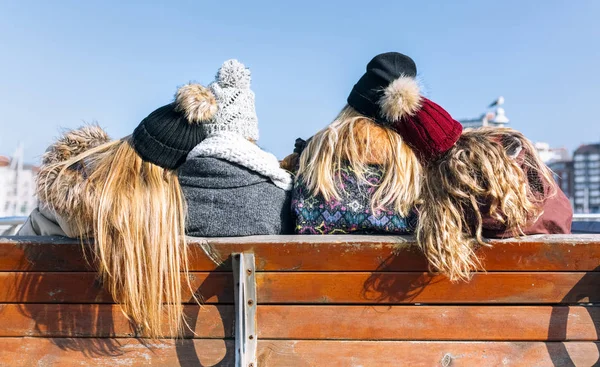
x: 487, y: 182
x: 357, y: 175
x: 125, y: 194
x: 231, y: 185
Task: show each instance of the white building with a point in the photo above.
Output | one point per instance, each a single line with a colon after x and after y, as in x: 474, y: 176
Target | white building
x: 549, y: 155
x: 17, y: 186
x: 491, y: 118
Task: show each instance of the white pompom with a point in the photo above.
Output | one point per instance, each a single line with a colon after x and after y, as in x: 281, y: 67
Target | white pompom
x: 402, y: 97
x: 233, y: 74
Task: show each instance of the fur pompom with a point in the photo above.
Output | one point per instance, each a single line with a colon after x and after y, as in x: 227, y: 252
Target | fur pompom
x: 233, y: 74
x: 196, y: 102
x: 402, y: 97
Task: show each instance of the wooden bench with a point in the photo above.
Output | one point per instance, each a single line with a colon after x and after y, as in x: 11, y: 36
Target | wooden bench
x: 320, y: 301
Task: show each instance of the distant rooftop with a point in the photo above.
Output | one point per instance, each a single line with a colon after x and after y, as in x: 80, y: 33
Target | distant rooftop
x: 588, y: 148
x: 5, y: 162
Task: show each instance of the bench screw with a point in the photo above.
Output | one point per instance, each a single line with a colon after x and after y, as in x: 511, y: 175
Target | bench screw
x: 250, y: 302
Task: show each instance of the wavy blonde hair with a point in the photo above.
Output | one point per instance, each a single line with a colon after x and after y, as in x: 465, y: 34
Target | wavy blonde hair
x: 359, y: 141
x: 477, y: 178
x: 135, y: 211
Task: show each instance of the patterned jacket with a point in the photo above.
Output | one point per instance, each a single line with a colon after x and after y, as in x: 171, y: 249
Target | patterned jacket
x: 351, y: 214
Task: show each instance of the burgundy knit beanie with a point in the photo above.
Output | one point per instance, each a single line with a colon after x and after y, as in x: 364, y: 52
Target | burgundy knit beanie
x: 430, y: 132
x: 389, y: 94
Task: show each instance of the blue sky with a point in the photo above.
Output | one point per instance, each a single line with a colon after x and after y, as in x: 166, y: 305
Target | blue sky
x: 68, y: 62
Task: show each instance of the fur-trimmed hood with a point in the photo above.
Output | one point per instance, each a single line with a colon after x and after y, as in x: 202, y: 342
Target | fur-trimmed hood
x: 73, y: 143
x: 62, y: 197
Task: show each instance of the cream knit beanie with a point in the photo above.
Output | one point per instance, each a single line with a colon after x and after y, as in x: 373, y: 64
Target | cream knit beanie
x: 235, y: 101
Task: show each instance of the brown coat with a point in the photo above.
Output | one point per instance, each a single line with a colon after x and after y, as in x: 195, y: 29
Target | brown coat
x: 556, y: 218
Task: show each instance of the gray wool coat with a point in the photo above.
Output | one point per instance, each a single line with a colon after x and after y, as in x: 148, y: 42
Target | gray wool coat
x: 228, y: 200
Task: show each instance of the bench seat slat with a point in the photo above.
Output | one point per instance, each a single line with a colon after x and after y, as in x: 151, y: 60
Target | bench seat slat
x: 24, y: 352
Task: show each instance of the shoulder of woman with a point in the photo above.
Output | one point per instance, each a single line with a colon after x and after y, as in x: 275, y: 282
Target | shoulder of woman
x: 43, y: 222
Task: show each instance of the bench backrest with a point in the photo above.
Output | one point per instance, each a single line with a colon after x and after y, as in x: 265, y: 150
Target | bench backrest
x: 321, y: 300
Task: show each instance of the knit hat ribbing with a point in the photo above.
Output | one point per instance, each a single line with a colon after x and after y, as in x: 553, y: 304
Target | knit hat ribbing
x: 170, y: 132
x: 235, y: 100
x: 430, y: 132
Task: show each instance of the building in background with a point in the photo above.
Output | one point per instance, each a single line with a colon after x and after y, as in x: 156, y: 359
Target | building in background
x: 549, y: 155
x: 586, y: 172
x: 560, y: 162
x: 17, y: 186
x: 564, y: 177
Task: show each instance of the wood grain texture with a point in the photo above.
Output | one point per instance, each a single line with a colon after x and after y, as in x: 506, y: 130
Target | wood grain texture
x: 509, y: 323
x: 328, y: 288
x: 25, y: 352
x: 323, y: 253
x: 403, y: 288
x: 80, y: 287
x: 104, y: 321
x: 455, y: 354
x: 71, y: 352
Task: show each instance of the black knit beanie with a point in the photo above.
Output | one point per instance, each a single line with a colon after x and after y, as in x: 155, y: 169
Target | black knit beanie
x: 382, y: 70
x: 169, y: 133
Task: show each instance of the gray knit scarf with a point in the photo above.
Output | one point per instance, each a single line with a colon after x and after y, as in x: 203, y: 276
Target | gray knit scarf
x: 236, y: 149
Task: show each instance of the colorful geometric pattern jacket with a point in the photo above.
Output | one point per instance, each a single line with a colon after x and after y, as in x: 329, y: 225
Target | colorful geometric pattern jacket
x: 351, y: 214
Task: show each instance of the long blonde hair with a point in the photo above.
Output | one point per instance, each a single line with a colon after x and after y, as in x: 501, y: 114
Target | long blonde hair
x: 359, y: 141
x: 478, y: 173
x: 135, y: 211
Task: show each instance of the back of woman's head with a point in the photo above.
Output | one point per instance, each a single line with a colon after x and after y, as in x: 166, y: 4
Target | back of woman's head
x: 358, y: 141
x: 489, y: 172
x: 130, y: 201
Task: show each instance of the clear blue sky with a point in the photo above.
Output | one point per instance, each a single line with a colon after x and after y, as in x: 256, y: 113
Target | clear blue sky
x: 67, y: 62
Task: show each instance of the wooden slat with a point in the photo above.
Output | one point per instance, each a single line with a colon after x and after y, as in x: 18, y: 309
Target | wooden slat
x: 64, y: 287
x: 328, y: 288
x: 324, y: 253
x: 509, y: 323
x: 41, y: 254
x: 77, y: 352
x: 103, y: 321
x: 400, y: 288
x: 527, y: 323
x: 22, y: 352
x: 389, y: 353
